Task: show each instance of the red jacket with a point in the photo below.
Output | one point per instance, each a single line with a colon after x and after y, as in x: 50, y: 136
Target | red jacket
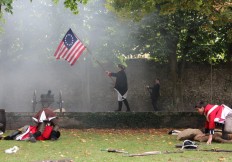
x: 32, y: 129
x: 215, y: 113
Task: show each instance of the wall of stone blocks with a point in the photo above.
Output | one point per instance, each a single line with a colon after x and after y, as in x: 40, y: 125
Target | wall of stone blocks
x: 113, y: 120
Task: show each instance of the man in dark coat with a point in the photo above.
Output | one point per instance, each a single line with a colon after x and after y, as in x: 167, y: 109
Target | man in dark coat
x: 121, y: 86
x: 155, y: 93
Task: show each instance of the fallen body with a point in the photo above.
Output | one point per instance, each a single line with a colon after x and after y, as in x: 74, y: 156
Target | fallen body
x: 23, y: 134
x: 198, y: 135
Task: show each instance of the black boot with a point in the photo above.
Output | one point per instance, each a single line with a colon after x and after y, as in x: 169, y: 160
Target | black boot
x: 119, y: 106
x: 34, y: 136
x: 12, y: 136
x: 54, y: 135
x: 127, y: 105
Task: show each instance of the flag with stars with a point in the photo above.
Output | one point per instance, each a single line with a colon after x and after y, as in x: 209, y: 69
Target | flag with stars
x: 70, y: 48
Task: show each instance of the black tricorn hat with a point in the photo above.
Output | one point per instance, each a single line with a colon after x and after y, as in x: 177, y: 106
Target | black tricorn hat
x: 121, y: 66
x: 200, y: 104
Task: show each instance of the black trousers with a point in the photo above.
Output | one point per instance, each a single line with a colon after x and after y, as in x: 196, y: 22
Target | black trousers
x: 54, y: 122
x: 154, y: 103
x: 120, y: 105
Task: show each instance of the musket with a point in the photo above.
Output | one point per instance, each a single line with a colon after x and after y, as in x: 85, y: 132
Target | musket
x: 149, y: 89
x: 153, y: 153
x: 214, y: 150
x: 209, y: 150
x: 114, y: 150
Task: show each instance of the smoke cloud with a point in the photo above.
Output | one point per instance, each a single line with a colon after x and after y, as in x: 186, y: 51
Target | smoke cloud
x: 31, y: 36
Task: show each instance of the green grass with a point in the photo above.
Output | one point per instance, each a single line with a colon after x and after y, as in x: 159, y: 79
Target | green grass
x: 86, y: 145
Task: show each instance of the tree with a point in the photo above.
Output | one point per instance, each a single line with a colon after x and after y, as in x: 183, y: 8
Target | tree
x: 6, y: 5
x: 186, y: 31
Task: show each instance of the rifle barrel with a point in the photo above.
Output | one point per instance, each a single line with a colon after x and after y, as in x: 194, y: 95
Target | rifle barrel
x: 216, y: 150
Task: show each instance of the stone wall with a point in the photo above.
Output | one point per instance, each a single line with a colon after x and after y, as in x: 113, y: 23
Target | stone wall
x: 113, y: 120
x: 199, y: 82
x: 86, y: 87
x: 96, y: 93
x: 212, y: 84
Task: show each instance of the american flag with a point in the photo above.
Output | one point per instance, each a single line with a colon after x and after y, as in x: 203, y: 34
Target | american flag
x: 70, y: 48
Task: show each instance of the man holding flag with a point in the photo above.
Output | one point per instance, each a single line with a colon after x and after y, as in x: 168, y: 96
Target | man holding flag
x: 71, y: 48
x: 121, y: 86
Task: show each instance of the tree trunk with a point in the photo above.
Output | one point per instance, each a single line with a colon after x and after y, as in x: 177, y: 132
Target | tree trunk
x: 229, y: 45
x: 181, y: 67
x: 229, y: 53
x: 173, y: 71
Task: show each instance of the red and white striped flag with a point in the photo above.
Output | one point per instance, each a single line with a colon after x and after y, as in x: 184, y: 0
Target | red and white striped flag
x: 70, y: 48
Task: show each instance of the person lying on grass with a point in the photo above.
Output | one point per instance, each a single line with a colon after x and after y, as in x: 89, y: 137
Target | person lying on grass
x: 42, y: 118
x: 24, y: 133
x: 46, y: 127
x: 198, y: 135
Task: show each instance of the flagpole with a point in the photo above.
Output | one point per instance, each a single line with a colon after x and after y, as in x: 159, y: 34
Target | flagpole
x: 94, y: 57
x: 97, y: 61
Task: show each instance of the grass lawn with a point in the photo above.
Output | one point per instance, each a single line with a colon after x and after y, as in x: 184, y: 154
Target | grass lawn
x: 85, y: 146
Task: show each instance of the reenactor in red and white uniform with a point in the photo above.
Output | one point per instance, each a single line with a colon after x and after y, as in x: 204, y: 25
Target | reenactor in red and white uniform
x: 216, y: 115
x: 44, y: 117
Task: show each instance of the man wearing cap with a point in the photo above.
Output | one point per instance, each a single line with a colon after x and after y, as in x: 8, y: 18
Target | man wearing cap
x: 121, y: 86
x: 155, y: 93
x: 216, y: 115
